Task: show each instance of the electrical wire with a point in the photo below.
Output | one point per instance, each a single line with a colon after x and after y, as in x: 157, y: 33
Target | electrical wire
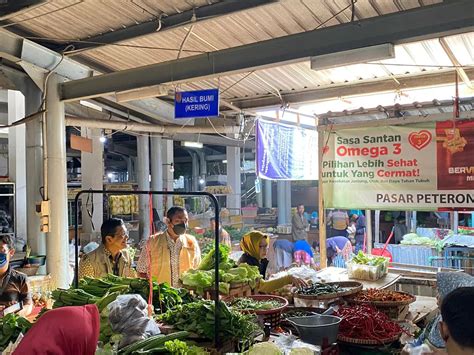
x: 40, y: 15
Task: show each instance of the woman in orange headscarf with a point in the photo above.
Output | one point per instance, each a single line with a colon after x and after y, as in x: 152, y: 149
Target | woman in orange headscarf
x: 255, y: 247
x: 63, y: 331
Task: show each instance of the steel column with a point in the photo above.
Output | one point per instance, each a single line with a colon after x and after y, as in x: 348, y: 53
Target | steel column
x: 234, y: 179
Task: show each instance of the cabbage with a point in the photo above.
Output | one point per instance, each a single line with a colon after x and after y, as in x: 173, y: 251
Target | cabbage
x: 209, y: 260
x: 265, y: 349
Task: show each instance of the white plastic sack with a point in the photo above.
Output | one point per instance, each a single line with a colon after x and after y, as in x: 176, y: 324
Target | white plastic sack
x: 128, y: 316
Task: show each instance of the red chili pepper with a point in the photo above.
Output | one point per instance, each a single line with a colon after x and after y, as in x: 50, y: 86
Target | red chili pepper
x: 366, y: 322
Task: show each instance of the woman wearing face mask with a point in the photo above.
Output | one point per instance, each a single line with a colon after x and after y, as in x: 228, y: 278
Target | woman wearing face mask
x: 168, y: 254
x: 255, y: 247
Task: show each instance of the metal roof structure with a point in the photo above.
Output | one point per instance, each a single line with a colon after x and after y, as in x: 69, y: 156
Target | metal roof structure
x: 121, y: 35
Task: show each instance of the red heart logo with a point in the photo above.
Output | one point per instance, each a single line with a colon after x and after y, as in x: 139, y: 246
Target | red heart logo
x: 420, y: 139
x: 325, y: 149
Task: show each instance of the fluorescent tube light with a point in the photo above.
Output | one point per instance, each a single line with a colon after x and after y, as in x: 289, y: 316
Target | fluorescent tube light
x: 353, y: 56
x: 192, y: 144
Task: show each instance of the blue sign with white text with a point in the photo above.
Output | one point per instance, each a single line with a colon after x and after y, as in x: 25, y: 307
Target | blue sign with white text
x: 200, y: 103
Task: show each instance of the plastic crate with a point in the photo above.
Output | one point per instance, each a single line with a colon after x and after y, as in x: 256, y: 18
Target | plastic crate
x: 367, y: 272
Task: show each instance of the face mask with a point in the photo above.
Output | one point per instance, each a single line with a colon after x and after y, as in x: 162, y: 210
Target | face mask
x: 180, y: 228
x: 3, y: 259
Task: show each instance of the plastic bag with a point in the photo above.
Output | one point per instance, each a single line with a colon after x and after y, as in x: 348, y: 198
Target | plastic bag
x: 290, y: 342
x: 416, y: 350
x: 128, y: 316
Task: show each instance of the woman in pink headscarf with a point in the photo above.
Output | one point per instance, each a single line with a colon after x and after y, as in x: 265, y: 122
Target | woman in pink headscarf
x: 63, y: 331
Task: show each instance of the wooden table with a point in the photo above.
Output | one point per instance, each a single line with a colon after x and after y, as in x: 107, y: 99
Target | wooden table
x: 422, y: 308
x: 333, y: 274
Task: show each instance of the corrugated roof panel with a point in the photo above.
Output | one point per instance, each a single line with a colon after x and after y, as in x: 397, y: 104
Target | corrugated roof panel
x: 58, y: 19
x: 463, y: 48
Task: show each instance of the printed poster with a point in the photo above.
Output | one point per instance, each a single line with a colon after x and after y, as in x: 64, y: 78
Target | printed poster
x: 424, y: 166
x: 286, y: 152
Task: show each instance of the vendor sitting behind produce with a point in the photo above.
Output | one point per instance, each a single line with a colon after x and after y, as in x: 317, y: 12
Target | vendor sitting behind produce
x: 255, y: 247
x: 224, y: 236
x: 110, y: 257
x: 14, y: 284
x: 171, y: 252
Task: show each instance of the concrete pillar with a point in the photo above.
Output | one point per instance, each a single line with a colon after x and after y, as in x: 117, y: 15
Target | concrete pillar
x: 157, y: 173
x: 194, y: 171
x: 455, y: 226
x: 288, y: 200
x: 233, y: 179
x: 34, y: 170
x: 259, y: 192
x: 168, y: 175
x: 368, y: 220
x: 413, y: 222
x: 267, y: 193
x: 281, y: 202
x: 17, y: 160
x: 143, y: 179
x: 92, y: 171
x: 202, y: 169
x: 57, y: 240
x: 377, y: 226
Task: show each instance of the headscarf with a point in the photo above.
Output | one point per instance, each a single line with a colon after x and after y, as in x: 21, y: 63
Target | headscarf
x: 250, y: 243
x: 63, y: 331
x: 304, y: 246
x: 447, y: 282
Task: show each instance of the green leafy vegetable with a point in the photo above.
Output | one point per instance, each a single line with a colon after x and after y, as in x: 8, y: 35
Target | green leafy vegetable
x: 209, y: 260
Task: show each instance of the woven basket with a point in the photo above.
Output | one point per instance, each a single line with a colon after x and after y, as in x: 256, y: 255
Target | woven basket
x: 368, y: 342
x: 272, y: 316
x: 391, y: 309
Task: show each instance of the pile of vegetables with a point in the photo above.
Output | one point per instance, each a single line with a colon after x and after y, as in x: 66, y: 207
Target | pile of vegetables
x: 249, y: 304
x: 198, y: 317
x: 164, y: 296
x: 372, y: 260
x: 375, y: 295
x: 11, y: 325
x: 367, y: 323
x: 203, y: 278
x: 415, y: 239
x: 319, y: 289
x: 78, y: 297
x: 153, y: 344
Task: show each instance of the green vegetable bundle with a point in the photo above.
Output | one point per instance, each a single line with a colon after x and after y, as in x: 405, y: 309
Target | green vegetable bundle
x: 364, y: 259
x: 78, y: 297
x: 201, y: 280
x: 11, y: 325
x: 153, y: 344
x: 198, y: 317
x: 164, y: 296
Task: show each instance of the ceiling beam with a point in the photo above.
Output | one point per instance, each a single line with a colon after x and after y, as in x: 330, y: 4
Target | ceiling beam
x: 10, y: 7
x: 197, y: 14
x: 346, y: 90
x: 433, y: 21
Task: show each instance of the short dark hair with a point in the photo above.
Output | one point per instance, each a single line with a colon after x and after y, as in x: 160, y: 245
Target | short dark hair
x: 173, y: 211
x: 457, y: 311
x: 7, y: 240
x: 109, y: 227
x: 299, y: 205
x: 212, y: 219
